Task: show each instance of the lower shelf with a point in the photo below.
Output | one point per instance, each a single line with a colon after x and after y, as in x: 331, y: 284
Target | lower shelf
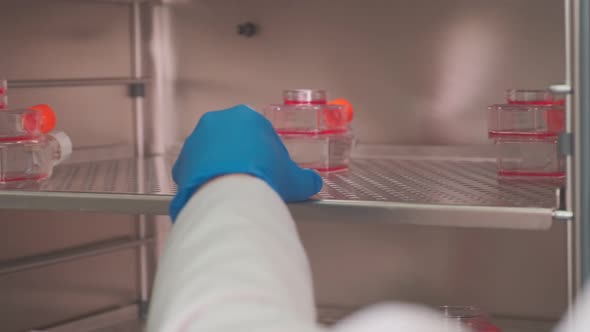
x: 326, y: 316
x: 130, y: 326
x: 414, y: 188
x: 123, y: 319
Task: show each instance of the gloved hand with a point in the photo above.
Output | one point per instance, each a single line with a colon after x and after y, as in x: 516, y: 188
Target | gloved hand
x: 239, y: 140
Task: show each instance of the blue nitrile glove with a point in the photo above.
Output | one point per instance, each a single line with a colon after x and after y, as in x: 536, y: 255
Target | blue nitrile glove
x: 239, y: 140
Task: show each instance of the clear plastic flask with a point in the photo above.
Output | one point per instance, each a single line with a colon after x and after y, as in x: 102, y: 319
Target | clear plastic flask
x: 21, y: 124
x: 316, y: 132
x: 32, y: 159
x: 467, y: 319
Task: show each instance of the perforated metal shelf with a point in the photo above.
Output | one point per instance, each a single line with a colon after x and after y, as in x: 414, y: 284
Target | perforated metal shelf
x: 444, y: 191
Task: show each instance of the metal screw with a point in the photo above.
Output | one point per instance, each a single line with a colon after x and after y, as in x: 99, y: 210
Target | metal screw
x: 247, y: 29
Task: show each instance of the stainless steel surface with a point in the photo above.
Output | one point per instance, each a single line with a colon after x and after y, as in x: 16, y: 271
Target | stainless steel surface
x: 60, y: 39
x: 65, y: 82
x: 137, y: 102
x: 581, y: 131
x: 67, y: 43
x: 444, y: 182
x: 125, y: 319
x: 563, y: 215
x: 576, y: 126
x: 72, y: 46
x: 138, y: 108
x: 123, y: 2
x: 398, y: 189
x: 569, y: 192
x: 417, y: 71
x: 58, y: 293
x: 163, y: 111
x: 62, y: 53
x: 63, y: 39
x: 32, y: 233
x: 143, y: 261
x: 561, y: 88
x: 572, y: 280
x: 129, y: 326
x: 507, y: 272
x: 51, y: 258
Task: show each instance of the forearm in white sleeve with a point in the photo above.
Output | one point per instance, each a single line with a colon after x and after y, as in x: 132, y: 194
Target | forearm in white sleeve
x: 577, y: 319
x: 396, y: 317
x: 233, y: 263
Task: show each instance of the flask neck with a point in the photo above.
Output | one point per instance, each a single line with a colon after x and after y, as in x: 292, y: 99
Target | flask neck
x: 61, y: 145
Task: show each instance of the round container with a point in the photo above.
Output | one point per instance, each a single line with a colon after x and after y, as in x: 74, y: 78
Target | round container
x: 467, y: 318
x: 304, y: 96
x: 533, y: 97
x: 555, y: 119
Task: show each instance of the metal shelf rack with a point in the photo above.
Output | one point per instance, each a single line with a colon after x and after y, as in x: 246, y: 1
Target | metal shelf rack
x: 125, y: 320
x: 459, y: 190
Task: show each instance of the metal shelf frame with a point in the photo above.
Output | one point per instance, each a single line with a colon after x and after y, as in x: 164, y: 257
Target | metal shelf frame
x: 577, y: 142
x: 461, y: 191
x: 136, y: 82
x: 578, y: 79
x: 72, y: 82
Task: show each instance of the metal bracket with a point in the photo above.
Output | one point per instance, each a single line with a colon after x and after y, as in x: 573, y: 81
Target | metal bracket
x: 565, y: 144
x: 111, y: 320
x: 562, y: 215
x: 561, y: 89
x: 137, y: 90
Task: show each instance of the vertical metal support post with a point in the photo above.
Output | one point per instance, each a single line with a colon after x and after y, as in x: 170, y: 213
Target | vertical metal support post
x: 138, y: 103
x: 144, y: 272
x: 162, y: 119
x: 137, y: 50
x: 572, y: 287
x: 579, y: 124
x: 582, y: 139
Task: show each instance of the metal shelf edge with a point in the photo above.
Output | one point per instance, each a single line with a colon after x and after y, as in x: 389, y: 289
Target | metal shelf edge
x: 315, y: 210
x: 424, y: 214
x: 85, y: 202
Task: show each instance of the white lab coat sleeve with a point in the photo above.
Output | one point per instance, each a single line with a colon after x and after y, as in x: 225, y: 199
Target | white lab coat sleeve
x: 578, y: 318
x: 395, y: 317
x: 233, y: 263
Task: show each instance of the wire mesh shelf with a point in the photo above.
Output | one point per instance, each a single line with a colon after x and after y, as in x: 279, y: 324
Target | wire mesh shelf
x: 443, y: 191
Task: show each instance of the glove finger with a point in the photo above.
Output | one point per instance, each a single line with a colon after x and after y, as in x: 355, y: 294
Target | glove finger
x: 303, y: 184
